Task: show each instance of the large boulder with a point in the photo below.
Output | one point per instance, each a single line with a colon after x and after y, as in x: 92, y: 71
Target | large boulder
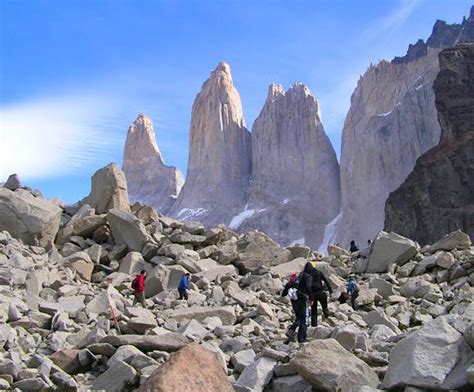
x: 31, y: 219
x: 109, y: 190
x: 454, y: 240
x: 257, y: 249
x: 127, y: 229
x: 256, y: 375
x: 199, y: 313
x: 193, y: 368
x: 427, y: 357
x: 390, y: 248
x: 326, y: 365
x: 166, y: 342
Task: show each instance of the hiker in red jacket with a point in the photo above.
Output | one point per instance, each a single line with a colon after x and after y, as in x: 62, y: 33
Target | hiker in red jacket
x: 139, y: 285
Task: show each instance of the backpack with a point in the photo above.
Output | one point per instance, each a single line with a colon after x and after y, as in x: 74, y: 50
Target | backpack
x: 135, y: 283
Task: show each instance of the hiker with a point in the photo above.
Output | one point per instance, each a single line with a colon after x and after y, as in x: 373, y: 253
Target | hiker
x: 353, y: 248
x: 353, y: 291
x: 369, y: 242
x: 301, y: 303
x: 138, y: 284
x: 319, y: 284
x: 183, y: 286
x: 291, y: 289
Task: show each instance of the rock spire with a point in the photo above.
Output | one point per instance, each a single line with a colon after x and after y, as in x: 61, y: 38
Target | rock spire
x: 150, y: 181
x: 219, y: 164
x: 295, y: 188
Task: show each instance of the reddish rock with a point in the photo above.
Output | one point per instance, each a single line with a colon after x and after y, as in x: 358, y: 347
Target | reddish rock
x: 192, y: 368
x: 67, y: 360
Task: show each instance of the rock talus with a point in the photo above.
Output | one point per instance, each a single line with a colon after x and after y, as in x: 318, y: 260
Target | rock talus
x: 149, y: 180
x: 391, y: 122
x: 295, y: 189
x: 438, y: 196
x: 219, y: 165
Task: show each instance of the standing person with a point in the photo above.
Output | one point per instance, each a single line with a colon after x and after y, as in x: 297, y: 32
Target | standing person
x: 183, y: 286
x: 318, y: 286
x: 353, y: 291
x: 301, y: 304
x: 138, y: 284
x: 291, y: 289
x: 353, y: 248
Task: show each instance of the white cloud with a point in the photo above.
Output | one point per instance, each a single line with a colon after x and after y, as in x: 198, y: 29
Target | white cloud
x: 51, y: 136
x: 392, y: 21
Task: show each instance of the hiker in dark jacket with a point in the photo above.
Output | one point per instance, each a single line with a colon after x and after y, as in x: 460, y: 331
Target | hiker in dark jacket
x: 291, y: 289
x: 319, y: 284
x: 353, y: 248
x: 139, y: 285
x: 183, y: 286
x: 301, y: 304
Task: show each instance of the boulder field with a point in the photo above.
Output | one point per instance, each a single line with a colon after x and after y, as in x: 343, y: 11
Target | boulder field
x: 67, y: 320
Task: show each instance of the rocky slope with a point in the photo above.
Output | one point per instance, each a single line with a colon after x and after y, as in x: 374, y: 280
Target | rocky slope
x: 219, y: 165
x: 66, y: 320
x: 438, y: 195
x: 295, y: 188
x: 391, y: 122
x: 149, y: 180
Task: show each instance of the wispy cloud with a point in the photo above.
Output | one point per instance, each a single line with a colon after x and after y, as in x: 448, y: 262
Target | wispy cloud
x: 394, y: 20
x: 50, y: 136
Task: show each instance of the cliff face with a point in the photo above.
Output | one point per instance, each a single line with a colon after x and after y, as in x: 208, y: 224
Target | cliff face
x: 149, y: 180
x: 219, y: 165
x: 438, y: 196
x: 295, y: 188
x: 391, y: 122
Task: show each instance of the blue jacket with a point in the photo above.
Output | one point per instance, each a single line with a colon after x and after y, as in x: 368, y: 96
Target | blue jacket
x: 352, y: 287
x: 184, y: 283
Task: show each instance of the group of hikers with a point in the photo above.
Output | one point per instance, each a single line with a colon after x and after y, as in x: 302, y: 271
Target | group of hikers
x: 305, y: 289
x: 138, y: 285
x: 308, y: 288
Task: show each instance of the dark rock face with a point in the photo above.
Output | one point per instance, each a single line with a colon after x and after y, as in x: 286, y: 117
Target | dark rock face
x: 438, y: 196
x: 391, y: 123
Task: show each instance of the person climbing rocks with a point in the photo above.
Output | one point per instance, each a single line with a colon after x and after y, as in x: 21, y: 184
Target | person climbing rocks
x: 319, y: 284
x: 301, y: 303
x: 183, y: 286
x: 353, y: 248
x: 353, y: 291
x: 138, y: 284
x: 291, y: 289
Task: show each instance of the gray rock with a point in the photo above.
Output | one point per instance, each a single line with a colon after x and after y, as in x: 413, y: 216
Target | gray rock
x: 294, y: 383
x: 242, y: 359
x: 256, y: 375
x: 127, y: 229
x: 13, y: 182
x: 376, y: 317
x: 426, y: 357
x: 109, y: 190
x: 390, y: 248
x: 325, y: 364
x: 454, y: 240
x: 169, y: 342
x: 116, y: 378
x: 33, y: 220
x: 199, y: 313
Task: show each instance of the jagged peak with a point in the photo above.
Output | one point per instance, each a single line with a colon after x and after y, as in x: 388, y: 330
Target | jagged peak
x: 298, y: 88
x: 142, y: 131
x: 275, y: 90
x: 222, y: 71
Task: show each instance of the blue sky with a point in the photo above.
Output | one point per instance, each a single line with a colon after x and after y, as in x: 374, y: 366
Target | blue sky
x: 75, y: 73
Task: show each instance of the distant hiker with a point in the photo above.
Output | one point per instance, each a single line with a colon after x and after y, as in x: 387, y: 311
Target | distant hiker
x: 353, y: 247
x: 183, y: 286
x: 138, y: 284
x: 291, y: 289
x: 319, y: 284
x: 369, y: 242
x: 353, y: 291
